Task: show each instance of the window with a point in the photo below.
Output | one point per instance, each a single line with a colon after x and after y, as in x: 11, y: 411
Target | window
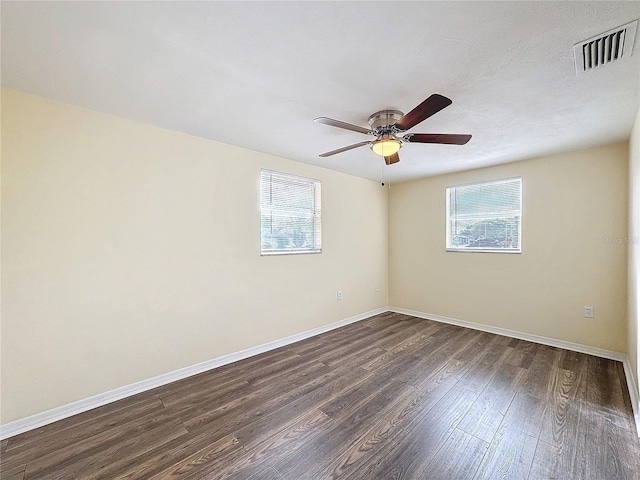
x: 485, y: 217
x: 290, y: 214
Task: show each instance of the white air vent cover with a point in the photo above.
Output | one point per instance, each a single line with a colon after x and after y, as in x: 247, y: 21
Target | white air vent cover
x: 605, y: 48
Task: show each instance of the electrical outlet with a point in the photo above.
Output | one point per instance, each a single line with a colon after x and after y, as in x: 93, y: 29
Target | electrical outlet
x: 339, y: 294
x: 377, y: 287
x: 588, y: 312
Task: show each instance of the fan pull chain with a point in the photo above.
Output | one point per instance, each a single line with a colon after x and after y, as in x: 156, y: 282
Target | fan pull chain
x: 382, y: 175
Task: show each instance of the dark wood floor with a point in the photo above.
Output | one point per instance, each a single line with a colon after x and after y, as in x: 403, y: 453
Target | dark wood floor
x: 391, y: 397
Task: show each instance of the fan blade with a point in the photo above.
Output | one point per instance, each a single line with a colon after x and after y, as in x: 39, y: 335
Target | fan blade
x: 392, y: 159
x: 339, y: 124
x: 430, y: 106
x: 449, y: 139
x: 344, y: 149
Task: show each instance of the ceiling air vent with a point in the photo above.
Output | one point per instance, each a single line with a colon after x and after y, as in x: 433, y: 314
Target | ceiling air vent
x: 605, y: 48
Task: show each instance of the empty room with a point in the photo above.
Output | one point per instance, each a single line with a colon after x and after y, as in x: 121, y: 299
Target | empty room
x: 320, y: 240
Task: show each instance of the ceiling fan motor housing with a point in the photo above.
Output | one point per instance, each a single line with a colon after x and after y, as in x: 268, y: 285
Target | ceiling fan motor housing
x: 381, y: 122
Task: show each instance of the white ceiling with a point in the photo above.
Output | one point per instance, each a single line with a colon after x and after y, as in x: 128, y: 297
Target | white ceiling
x: 255, y: 74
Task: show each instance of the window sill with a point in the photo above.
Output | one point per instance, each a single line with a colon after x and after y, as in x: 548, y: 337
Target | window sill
x: 270, y: 253
x: 484, y: 250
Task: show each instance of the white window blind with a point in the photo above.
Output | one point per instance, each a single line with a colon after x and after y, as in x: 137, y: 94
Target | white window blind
x: 485, y: 216
x: 290, y: 208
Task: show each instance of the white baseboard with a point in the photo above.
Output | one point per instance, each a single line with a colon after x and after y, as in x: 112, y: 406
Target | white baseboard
x: 633, y: 392
x: 39, y: 419
x: 552, y: 342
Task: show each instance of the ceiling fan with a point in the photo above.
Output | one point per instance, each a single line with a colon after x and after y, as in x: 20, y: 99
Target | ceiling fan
x: 388, y: 127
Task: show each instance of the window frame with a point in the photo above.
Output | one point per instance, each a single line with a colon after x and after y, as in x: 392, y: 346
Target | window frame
x: 451, y: 248
x: 315, y: 213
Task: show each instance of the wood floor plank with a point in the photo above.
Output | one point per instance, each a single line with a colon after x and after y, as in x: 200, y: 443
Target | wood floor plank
x: 540, y: 373
x: 253, y: 472
x: 383, y: 435
x: 390, y: 359
x: 438, y: 356
x: 205, y: 461
x: 81, y: 425
x: 559, y: 444
x: 333, y: 341
x: 217, y: 377
x: 361, y: 398
x: 265, y: 453
x: 509, y: 456
x: 495, y: 352
x: 387, y: 433
x: 278, y: 355
x: 428, y: 393
x: 605, y: 389
x: 482, y: 420
x: 391, y: 366
x: 269, y: 398
x: 459, y: 457
x: 625, y: 389
x: 561, y: 412
x: 309, y: 344
x: 274, y: 374
x: 118, y: 461
x: 574, y: 361
x: 14, y: 472
x: 616, y: 455
x: 487, y: 412
x: 388, y: 318
x: 481, y: 372
x: 396, y: 335
x: 550, y: 463
x: 417, y: 340
x: 346, y: 430
x: 525, y: 414
x: 268, y: 474
x: 16, y: 476
x: 621, y: 455
x: 410, y: 456
x: 476, y: 347
x: 523, y: 354
x: 372, y: 328
x: 447, y: 330
x: 153, y: 461
x: 356, y: 355
x: 267, y: 425
x: 95, y: 457
x: 507, y: 342
x: 391, y: 396
x: 85, y: 434
x: 361, y: 450
x: 211, y: 393
x: 225, y: 373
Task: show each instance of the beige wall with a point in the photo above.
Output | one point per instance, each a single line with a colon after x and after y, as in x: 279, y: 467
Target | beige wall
x: 571, y: 204
x: 129, y: 251
x: 634, y: 251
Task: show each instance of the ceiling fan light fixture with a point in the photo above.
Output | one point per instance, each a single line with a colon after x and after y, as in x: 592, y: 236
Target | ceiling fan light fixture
x: 386, y: 146
x: 390, y: 127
